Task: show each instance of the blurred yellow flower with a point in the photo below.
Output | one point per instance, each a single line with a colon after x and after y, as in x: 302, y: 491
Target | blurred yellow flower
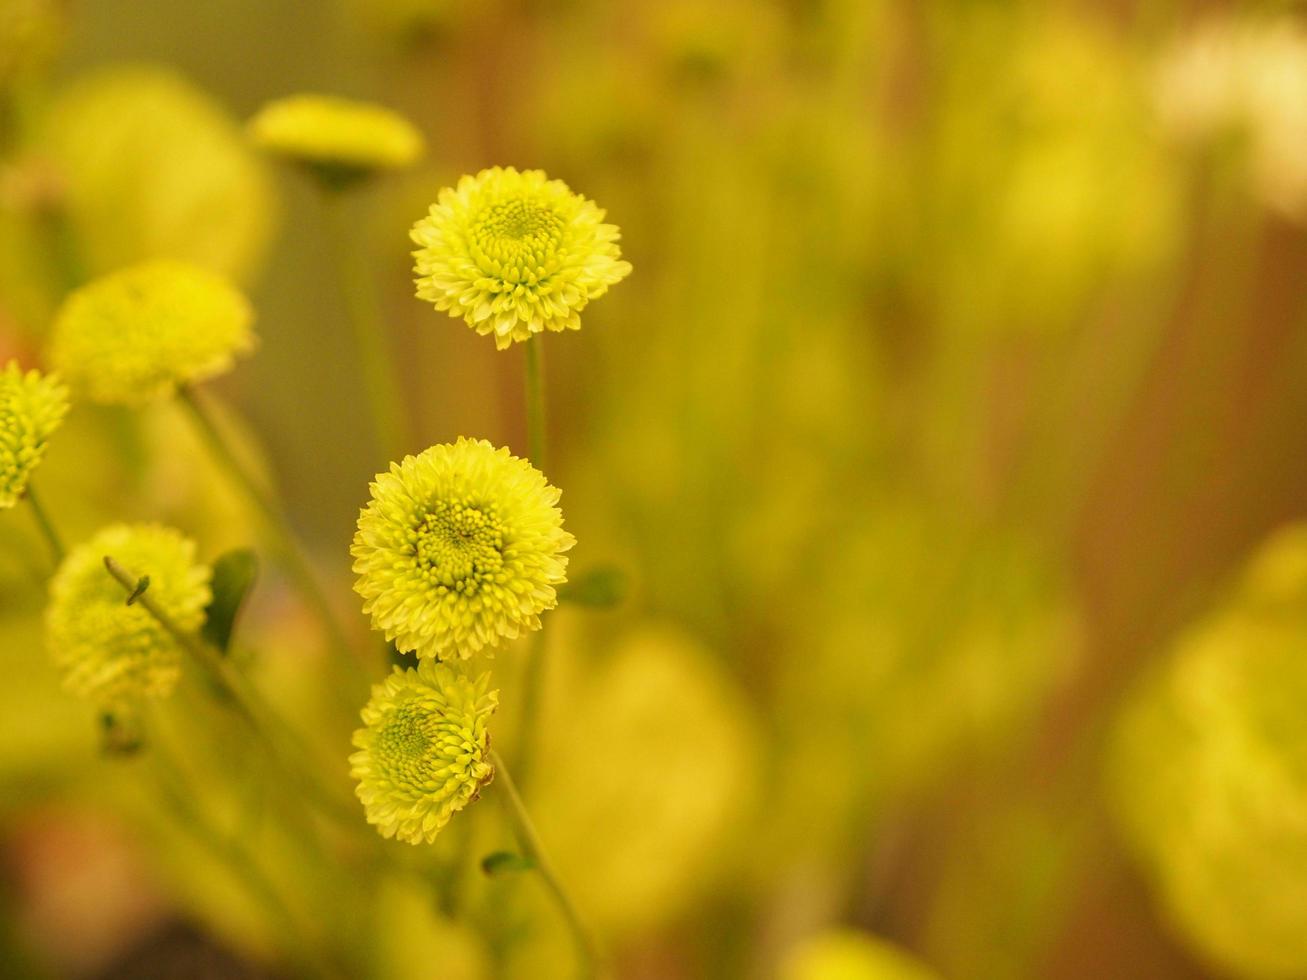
x: 1048, y: 177
x: 846, y: 954
x: 423, y: 754
x: 1208, y: 773
x: 460, y: 547
x: 515, y: 253
x: 137, y: 334
x: 32, y: 406
x: 153, y: 167
x: 110, y: 652
x: 648, y: 776
x: 338, y: 139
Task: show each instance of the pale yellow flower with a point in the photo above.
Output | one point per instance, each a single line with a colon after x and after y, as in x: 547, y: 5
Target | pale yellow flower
x: 461, y: 546
x: 515, y: 253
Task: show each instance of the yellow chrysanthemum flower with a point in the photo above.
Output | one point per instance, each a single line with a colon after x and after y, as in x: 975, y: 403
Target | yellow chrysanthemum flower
x: 31, y: 407
x: 515, y: 253
x: 137, y: 334
x: 338, y: 139
x: 110, y: 652
x: 424, y: 753
x: 460, y: 546
x: 1207, y: 772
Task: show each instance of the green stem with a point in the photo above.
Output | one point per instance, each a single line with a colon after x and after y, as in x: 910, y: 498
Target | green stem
x: 529, y: 841
x: 380, y: 379
x: 46, y: 525
x: 529, y: 719
x: 535, y: 402
x: 537, y: 450
x: 236, y: 691
x: 292, y: 555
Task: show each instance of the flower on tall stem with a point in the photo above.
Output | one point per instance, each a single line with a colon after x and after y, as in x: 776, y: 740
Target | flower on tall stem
x: 514, y: 254
x: 339, y: 141
x: 424, y: 749
x: 113, y: 653
x: 32, y: 407
x: 139, y: 334
x: 461, y: 546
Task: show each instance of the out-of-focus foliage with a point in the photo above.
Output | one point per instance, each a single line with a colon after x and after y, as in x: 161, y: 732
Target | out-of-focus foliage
x: 31, y: 33
x: 1044, y: 180
x: 926, y: 645
x: 641, y: 844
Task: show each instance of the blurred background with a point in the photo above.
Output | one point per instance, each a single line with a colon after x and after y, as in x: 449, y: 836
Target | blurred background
x: 948, y: 433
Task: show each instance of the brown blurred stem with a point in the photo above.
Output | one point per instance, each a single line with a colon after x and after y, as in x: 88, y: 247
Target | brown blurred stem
x: 529, y: 841
x: 291, y: 553
x: 380, y: 379
x: 46, y: 525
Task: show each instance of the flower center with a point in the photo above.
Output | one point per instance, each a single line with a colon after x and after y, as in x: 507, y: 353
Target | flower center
x: 460, y: 545
x: 424, y: 748
x: 403, y: 741
x: 516, y: 239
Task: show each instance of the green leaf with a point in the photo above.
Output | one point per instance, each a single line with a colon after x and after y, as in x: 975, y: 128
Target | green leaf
x: 142, y: 584
x: 233, y: 578
x: 505, y: 862
x: 602, y: 587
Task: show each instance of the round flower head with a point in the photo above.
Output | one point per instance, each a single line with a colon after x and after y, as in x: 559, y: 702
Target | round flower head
x: 423, y: 754
x: 515, y: 253
x: 137, y: 334
x: 110, y: 652
x: 459, y: 547
x: 31, y: 407
x: 339, y: 140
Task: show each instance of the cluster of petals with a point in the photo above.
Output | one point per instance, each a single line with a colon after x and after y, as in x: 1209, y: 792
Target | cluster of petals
x: 138, y: 334
x: 32, y: 406
x: 460, y: 548
x: 514, y: 254
x: 423, y: 753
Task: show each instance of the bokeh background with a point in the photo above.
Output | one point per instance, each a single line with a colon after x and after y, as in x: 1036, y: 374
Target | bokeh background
x: 948, y: 433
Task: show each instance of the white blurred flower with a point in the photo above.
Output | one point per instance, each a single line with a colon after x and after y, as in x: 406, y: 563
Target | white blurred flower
x: 1246, y: 81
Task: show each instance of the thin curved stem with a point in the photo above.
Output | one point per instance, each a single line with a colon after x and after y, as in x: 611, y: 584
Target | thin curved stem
x: 291, y: 553
x: 237, y: 693
x: 529, y: 841
x: 380, y: 379
x: 47, y: 527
